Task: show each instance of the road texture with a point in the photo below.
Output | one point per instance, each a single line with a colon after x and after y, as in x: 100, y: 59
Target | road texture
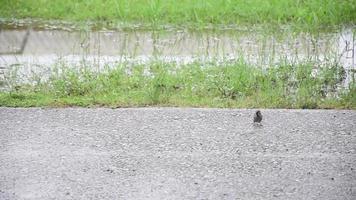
x: 176, y: 153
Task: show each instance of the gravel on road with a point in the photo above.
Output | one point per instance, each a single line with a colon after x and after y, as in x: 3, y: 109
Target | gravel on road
x: 176, y: 153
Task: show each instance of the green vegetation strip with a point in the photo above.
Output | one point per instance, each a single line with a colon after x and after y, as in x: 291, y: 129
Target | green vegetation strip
x: 232, y: 85
x: 194, y: 13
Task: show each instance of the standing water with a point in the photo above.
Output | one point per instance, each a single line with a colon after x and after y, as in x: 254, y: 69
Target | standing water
x: 37, y: 51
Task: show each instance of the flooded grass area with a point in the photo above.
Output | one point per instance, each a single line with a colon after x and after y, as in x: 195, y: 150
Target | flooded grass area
x: 243, y: 69
x: 306, y: 14
x: 46, y: 47
x: 214, y: 65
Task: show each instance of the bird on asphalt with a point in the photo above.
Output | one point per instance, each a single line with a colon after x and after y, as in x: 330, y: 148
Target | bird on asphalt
x: 257, y: 117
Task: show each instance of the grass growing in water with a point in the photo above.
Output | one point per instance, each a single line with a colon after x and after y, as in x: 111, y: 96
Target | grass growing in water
x: 303, y: 13
x: 162, y: 84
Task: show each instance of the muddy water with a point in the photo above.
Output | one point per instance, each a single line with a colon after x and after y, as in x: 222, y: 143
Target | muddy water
x: 36, y: 50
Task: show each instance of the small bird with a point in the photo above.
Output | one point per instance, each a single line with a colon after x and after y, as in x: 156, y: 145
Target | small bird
x: 257, y: 117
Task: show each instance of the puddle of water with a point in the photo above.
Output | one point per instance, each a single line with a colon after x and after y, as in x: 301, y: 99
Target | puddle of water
x: 252, y: 46
x: 36, y: 51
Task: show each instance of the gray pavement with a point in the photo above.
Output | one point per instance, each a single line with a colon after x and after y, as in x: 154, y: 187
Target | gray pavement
x: 176, y: 153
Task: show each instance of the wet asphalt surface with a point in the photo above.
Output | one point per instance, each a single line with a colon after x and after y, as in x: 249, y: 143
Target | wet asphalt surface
x: 176, y: 153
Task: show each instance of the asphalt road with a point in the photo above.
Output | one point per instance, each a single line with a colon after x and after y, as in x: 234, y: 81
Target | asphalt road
x: 176, y: 153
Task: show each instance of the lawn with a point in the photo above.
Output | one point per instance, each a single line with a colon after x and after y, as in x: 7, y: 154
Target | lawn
x: 305, y: 14
x: 226, y: 85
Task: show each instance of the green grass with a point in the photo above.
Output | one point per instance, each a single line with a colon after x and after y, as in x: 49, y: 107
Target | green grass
x: 193, y: 13
x: 227, y: 85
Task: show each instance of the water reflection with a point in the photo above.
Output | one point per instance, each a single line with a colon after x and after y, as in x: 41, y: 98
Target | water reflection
x: 28, y: 47
x: 252, y: 46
